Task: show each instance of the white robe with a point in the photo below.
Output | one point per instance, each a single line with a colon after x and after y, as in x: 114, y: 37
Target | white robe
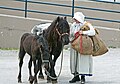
x: 83, y: 64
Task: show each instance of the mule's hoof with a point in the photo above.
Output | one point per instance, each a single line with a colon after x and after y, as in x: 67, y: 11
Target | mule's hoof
x: 54, y: 82
x: 19, y: 81
x: 49, y: 81
x: 41, y: 77
x: 31, y: 82
x: 35, y: 83
x: 31, y: 79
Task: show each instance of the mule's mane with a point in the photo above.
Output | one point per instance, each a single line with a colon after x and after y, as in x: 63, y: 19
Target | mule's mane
x: 50, y: 30
x: 51, y: 27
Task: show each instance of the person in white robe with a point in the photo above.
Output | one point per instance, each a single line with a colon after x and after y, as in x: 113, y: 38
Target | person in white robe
x: 80, y: 65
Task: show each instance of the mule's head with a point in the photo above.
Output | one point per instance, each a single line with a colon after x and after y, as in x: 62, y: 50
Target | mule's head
x: 63, y: 29
x: 44, y: 50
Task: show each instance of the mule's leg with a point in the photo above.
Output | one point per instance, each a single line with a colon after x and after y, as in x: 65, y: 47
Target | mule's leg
x: 52, y: 72
x: 40, y: 69
x: 56, y: 55
x: 31, y: 78
x: 36, y: 69
x: 49, y: 71
x: 52, y: 78
x: 29, y: 66
x: 21, y: 56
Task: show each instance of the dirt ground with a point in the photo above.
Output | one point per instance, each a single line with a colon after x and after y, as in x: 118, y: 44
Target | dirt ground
x: 106, y: 68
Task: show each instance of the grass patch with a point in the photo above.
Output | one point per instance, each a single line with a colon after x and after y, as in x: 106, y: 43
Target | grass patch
x: 8, y: 48
x: 111, y: 47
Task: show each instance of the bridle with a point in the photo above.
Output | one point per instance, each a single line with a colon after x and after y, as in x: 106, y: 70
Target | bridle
x: 60, y: 35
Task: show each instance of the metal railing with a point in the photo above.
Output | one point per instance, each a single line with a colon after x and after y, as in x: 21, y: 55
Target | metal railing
x: 72, y: 6
x: 106, y: 1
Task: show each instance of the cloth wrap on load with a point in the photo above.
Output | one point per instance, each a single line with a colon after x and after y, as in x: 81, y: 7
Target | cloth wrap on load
x: 88, y: 45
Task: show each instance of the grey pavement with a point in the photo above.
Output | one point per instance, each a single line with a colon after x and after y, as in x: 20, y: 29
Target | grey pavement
x: 106, y: 69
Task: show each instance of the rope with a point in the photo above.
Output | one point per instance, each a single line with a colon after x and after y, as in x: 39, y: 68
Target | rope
x: 48, y: 74
x: 81, y: 50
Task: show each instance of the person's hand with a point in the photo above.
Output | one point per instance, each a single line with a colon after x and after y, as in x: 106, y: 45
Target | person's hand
x: 80, y: 32
x: 77, y: 34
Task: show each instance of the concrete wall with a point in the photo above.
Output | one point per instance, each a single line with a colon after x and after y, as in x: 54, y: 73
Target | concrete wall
x: 11, y: 27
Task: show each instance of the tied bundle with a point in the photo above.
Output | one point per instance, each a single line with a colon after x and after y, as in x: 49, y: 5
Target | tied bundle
x: 82, y: 44
x: 99, y: 47
x: 89, y: 45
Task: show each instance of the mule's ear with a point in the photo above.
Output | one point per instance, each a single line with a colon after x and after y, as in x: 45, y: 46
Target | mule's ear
x: 65, y: 18
x: 43, y: 32
x: 58, y: 18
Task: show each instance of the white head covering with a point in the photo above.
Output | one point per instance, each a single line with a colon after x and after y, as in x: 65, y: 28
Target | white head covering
x: 79, y: 16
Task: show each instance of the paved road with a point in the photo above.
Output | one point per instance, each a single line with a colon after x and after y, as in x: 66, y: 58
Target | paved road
x: 106, y: 68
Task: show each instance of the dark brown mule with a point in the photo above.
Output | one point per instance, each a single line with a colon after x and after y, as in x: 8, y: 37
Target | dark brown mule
x: 37, y: 48
x: 57, y: 35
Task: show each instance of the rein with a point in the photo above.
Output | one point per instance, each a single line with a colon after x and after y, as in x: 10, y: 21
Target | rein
x: 48, y: 74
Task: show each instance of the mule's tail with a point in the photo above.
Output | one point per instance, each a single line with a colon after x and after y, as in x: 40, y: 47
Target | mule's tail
x: 21, y: 49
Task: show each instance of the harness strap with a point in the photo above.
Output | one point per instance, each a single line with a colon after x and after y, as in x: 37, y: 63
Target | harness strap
x: 62, y: 33
x: 81, y: 49
x: 45, y: 61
